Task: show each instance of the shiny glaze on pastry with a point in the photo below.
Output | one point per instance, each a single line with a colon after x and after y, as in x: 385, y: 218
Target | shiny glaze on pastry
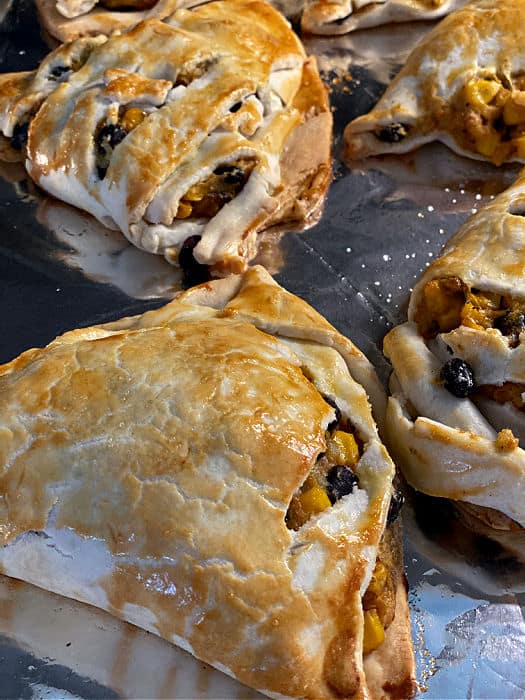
x: 148, y: 466
x: 464, y: 85
x: 140, y: 128
x: 465, y: 442
x: 328, y: 17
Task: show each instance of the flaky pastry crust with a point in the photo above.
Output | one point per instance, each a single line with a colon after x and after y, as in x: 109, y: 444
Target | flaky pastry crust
x: 426, y: 101
x: 209, y: 125
x: 332, y: 18
x: 467, y: 449
x: 147, y: 466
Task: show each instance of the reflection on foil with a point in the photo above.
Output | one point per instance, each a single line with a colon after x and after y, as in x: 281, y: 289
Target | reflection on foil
x: 380, y: 52
x: 106, y: 256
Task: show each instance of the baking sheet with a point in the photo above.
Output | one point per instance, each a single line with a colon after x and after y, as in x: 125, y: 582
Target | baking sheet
x: 384, y: 221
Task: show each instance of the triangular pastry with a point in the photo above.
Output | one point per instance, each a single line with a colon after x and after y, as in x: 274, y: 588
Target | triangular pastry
x: 463, y: 85
x: 211, y: 472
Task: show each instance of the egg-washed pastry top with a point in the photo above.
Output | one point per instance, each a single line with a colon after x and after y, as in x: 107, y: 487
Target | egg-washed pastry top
x: 201, y: 129
x: 464, y: 85
x: 458, y: 409
x: 211, y: 471
x: 329, y: 17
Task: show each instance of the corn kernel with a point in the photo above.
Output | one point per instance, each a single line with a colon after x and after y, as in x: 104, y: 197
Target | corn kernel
x: 195, y: 193
x: 373, y: 633
x: 378, y: 580
x: 183, y: 211
x: 342, y: 448
x: 519, y: 145
x: 481, y: 92
x: 314, y: 500
x: 488, y: 143
x: 132, y: 118
x: 513, y: 113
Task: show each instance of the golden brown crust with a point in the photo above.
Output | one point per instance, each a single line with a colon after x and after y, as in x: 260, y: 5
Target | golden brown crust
x: 145, y: 451
x: 99, y: 20
x: 266, y: 116
x: 426, y: 100
x: 328, y: 17
x: 390, y: 669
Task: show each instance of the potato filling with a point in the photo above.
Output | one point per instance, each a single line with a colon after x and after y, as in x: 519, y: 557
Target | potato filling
x: 206, y: 198
x: 492, y: 116
x: 379, y: 606
x: 448, y: 303
x: 331, y: 477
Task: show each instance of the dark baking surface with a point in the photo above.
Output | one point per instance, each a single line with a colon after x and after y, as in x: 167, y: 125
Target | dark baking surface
x: 382, y: 223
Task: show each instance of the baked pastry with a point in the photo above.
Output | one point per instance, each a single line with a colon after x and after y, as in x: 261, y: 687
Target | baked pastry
x: 456, y: 418
x: 211, y: 472
x: 464, y: 85
x: 328, y: 17
x: 70, y: 19
x: 191, y: 133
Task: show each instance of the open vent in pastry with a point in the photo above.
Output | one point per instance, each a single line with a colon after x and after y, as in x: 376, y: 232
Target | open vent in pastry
x: 448, y: 304
x: 333, y: 474
x: 332, y: 477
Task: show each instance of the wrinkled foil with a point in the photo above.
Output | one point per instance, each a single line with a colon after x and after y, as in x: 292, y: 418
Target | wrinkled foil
x: 384, y: 221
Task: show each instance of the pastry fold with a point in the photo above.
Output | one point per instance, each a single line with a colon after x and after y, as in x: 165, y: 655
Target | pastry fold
x: 153, y: 467
x: 463, y: 85
x: 198, y: 130
x: 328, y: 17
x: 456, y: 417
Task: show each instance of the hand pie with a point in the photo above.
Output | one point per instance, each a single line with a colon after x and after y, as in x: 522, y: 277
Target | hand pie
x: 193, y: 133
x: 211, y: 472
x: 464, y: 85
x: 328, y: 17
x: 457, y: 415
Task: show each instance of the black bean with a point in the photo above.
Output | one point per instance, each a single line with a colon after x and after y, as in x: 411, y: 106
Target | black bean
x: 393, y: 133
x: 512, y: 324
x: 396, y: 503
x: 19, y: 137
x: 458, y: 377
x: 341, y: 481
x: 193, y: 271
x: 58, y: 71
x: 231, y: 174
x: 110, y: 135
x: 333, y: 424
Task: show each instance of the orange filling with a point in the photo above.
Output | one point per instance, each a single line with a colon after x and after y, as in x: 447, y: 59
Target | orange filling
x: 493, y: 117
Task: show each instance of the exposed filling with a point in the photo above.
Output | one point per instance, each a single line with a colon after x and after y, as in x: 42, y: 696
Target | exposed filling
x: 492, y: 116
x: 331, y: 478
x: 207, y: 197
x: 392, y: 133
x: 448, y: 303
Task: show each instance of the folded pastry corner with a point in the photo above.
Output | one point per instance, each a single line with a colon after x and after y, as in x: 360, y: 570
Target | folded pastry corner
x: 456, y: 417
x: 463, y: 85
x: 211, y: 472
x: 329, y: 17
x: 190, y: 134
x: 67, y: 20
